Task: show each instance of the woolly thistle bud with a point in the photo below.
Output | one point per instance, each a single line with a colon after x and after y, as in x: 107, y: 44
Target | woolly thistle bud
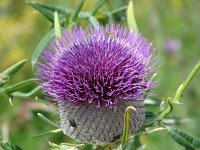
x: 94, y: 76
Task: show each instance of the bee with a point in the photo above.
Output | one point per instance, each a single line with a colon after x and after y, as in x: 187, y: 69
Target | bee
x: 111, y: 34
x: 72, y: 123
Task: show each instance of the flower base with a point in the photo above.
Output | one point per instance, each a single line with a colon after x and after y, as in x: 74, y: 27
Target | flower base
x: 89, y: 124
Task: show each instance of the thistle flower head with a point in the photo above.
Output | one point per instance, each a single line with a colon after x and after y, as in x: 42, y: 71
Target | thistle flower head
x: 99, y: 67
x: 105, y: 68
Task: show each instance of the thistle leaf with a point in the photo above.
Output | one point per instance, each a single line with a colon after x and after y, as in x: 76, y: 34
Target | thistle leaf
x: 6, y: 75
x: 131, y: 17
x: 184, y: 138
x: 40, y: 47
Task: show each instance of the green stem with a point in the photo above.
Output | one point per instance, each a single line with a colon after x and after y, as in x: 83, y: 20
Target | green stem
x: 125, y: 136
x: 171, y: 101
x: 185, y: 84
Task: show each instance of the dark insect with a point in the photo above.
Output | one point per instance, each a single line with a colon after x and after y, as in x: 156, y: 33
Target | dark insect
x: 72, y: 123
x: 115, y: 138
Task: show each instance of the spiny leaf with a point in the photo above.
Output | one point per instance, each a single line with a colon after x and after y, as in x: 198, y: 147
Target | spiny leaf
x: 184, y: 138
x: 40, y: 47
x: 6, y: 75
x: 131, y: 17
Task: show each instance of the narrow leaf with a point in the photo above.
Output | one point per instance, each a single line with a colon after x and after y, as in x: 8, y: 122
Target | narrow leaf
x: 131, y: 17
x: 11, y: 71
x: 47, y: 120
x: 40, y: 47
x: 48, y: 10
x: 57, y: 25
x: 32, y: 94
x: 78, y: 10
x: 18, y: 86
x: 125, y: 136
x: 184, y: 138
x: 43, y: 9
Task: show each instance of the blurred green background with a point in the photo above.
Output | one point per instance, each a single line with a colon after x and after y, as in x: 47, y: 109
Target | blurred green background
x: 173, y: 26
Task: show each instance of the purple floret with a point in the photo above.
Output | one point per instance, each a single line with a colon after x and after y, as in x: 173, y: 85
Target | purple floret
x: 101, y: 66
